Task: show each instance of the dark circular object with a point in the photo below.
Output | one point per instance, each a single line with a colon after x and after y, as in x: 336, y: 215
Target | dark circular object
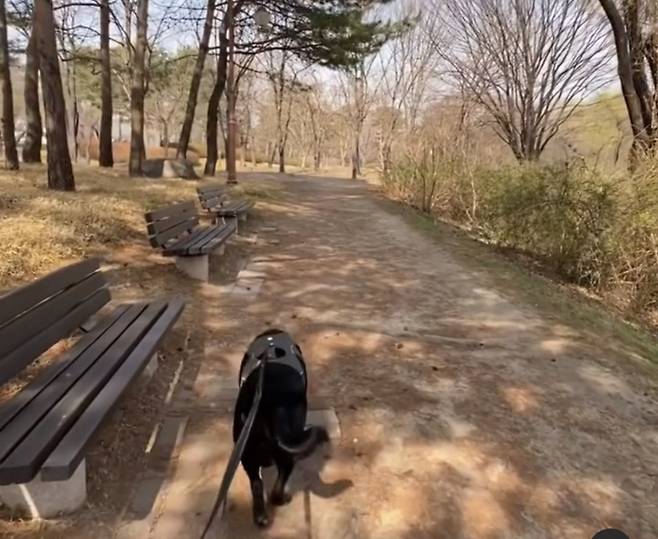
x: 611, y: 533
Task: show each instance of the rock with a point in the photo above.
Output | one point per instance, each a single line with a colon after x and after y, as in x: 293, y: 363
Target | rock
x: 169, y: 168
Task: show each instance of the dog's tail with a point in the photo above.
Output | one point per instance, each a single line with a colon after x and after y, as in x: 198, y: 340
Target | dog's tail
x: 313, y: 436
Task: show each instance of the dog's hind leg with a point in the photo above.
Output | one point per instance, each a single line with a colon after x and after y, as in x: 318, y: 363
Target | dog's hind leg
x: 284, y: 465
x: 260, y: 513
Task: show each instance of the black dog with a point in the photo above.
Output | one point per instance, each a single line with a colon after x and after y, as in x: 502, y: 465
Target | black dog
x: 279, y: 435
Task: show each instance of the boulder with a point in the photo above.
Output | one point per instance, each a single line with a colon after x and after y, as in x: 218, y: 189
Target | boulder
x: 169, y: 168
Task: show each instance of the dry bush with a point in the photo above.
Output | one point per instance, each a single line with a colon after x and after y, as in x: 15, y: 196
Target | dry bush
x: 593, y: 229
x: 634, y: 241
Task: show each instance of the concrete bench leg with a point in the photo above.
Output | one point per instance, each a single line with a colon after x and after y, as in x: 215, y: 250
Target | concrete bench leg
x: 237, y: 225
x: 194, y: 266
x: 46, y: 499
x: 243, y: 216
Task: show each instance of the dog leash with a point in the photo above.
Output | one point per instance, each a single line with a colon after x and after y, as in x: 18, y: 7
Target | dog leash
x: 238, y: 449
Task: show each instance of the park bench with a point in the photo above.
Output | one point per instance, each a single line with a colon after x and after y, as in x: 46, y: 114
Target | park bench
x: 176, y: 232
x: 46, y: 428
x: 215, y: 200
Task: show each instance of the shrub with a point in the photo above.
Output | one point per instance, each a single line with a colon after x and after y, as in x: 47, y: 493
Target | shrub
x: 559, y: 214
x: 596, y: 231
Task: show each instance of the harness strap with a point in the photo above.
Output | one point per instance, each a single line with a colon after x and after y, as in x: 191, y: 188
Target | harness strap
x: 238, y: 449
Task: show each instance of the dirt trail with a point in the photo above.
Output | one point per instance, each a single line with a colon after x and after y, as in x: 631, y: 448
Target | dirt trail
x: 464, y: 414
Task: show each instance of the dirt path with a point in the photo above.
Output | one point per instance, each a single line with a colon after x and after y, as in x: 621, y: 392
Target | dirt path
x: 464, y: 415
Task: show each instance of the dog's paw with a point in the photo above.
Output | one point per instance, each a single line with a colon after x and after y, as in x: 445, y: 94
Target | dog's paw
x: 261, y: 520
x: 280, y: 498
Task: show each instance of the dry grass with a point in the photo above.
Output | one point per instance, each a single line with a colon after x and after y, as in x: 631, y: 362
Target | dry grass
x: 41, y: 229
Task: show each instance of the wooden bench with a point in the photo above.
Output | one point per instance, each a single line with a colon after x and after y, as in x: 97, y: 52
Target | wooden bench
x: 45, y: 428
x: 215, y: 200
x: 176, y: 231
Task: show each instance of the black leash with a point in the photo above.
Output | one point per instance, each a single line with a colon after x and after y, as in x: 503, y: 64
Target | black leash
x: 238, y: 449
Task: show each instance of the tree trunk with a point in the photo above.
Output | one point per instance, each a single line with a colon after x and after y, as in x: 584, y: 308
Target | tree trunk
x: 74, y: 120
x: 90, y: 140
x: 165, y: 136
x: 60, y: 170
x: 8, y: 136
x: 105, y: 157
x: 231, y: 93
x: 356, y: 159
x: 137, y: 89
x: 213, y: 106
x: 282, y: 159
x: 317, y: 159
x: 641, y: 142
x: 188, y: 121
x: 637, y: 48
x: 33, y: 125
x: 386, y: 157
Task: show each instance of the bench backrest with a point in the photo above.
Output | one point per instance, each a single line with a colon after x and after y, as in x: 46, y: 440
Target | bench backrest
x: 212, y: 196
x: 167, y: 224
x: 37, y: 315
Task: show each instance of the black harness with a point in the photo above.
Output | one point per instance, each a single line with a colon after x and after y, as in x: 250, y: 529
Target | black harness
x: 268, y: 348
x: 276, y: 348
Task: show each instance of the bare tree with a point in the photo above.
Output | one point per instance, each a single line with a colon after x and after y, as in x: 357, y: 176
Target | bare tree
x: 213, y: 104
x: 70, y: 35
x: 357, y: 86
x: 105, y: 158
x: 282, y: 75
x: 407, y: 65
x: 636, y: 42
x: 8, y: 136
x: 530, y: 63
x: 33, y: 125
x: 138, y: 91
x: 314, y: 107
x: 60, y: 171
x: 188, y: 121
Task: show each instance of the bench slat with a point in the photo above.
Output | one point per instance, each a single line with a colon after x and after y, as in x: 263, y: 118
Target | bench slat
x: 211, y: 243
x: 24, y: 461
x: 11, y: 408
x: 174, y: 247
x: 162, y: 225
x: 210, y: 233
x: 209, y: 203
x: 167, y: 211
x: 212, y: 195
x: 40, y: 406
x: 63, y: 461
x: 232, y: 208
x: 211, y: 190
x: 13, y: 363
x: 162, y: 238
x: 45, y: 314
x: 20, y: 300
